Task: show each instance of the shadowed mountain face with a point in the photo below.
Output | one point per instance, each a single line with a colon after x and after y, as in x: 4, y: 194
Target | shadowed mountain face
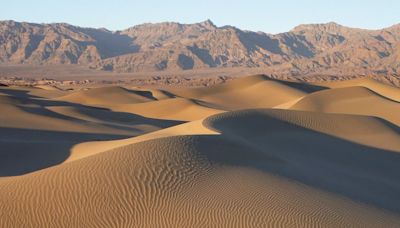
x: 307, y: 49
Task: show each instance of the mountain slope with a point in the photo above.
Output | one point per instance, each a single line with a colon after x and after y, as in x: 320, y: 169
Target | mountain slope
x: 328, y: 48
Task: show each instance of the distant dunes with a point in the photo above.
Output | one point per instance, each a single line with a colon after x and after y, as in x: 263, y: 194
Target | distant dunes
x: 245, y: 93
x: 108, y: 95
x: 253, y: 152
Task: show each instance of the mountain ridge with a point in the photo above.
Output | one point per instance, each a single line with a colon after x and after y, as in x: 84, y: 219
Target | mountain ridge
x: 327, y: 48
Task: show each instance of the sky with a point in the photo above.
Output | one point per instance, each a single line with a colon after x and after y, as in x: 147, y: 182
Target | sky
x: 256, y: 15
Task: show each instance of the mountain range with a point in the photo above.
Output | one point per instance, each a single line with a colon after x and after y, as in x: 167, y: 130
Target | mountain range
x: 329, y: 48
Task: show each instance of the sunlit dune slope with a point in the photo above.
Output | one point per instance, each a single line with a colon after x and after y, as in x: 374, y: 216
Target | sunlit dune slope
x: 108, y: 95
x: 380, y: 88
x: 172, y: 109
x: 248, y: 92
x: 351, y: 100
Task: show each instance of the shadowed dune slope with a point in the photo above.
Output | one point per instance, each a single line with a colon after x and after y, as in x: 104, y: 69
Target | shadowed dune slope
x: 37, y: 133
x: 351, y: 100
x: 158, y: 94
x: 23, y: 111
x: 249, y: 92
x: 246, y: 176
x: 151, y: 103
x: 33, y: 92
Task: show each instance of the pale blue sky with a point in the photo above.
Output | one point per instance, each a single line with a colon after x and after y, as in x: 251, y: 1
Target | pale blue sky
x: 258, y: 15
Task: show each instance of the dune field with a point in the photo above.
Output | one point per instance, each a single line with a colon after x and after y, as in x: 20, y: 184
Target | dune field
x: 252, y: 152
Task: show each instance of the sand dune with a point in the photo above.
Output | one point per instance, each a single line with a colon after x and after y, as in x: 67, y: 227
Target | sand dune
x: 351, y: 100
x: 152, y: 103
x: 23, y: 111
x: 33, y: 92
x: 243, y: 177
x: 37, y: 133
x: 158, y: 94
x: 304, y: 155
x: 380, y: 88
x: 244, y: 93
x: 172, y: 109
x: 91, y: 148
x: 108, y: 95
x: 47, y: 87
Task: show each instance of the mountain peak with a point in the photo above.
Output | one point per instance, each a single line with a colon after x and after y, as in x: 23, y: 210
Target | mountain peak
x: 208, y: 23
x: 330, y: 26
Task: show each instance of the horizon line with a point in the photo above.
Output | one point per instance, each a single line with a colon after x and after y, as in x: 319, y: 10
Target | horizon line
x: 207, y: 20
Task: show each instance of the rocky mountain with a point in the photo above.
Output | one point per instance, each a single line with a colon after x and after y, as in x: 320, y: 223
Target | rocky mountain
x: 307, y: 49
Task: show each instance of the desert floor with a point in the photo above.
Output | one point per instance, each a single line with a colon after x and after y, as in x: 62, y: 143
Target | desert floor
x: 252, y: 152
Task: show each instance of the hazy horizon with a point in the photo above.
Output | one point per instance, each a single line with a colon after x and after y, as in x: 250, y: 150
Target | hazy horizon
x: 266, y: 16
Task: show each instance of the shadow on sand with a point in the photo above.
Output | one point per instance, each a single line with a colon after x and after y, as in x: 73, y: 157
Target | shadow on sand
x: 361, y: 173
